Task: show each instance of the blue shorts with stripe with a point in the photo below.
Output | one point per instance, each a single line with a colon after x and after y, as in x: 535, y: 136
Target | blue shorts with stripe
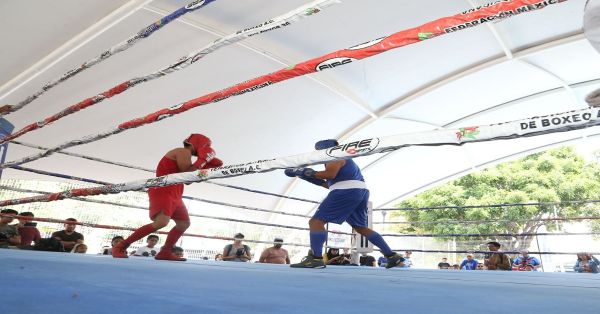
x: 349, y: 205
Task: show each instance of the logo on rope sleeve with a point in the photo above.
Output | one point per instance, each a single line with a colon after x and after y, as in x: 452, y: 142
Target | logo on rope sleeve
x: 311, y: 11
x: 332, y: 63
x: 470, y: 132
x: 354, y: 148
x: 194, y: 5
x: 425, y: 36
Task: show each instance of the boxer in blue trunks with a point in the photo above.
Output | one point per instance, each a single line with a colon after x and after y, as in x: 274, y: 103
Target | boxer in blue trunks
x: 346, y: 201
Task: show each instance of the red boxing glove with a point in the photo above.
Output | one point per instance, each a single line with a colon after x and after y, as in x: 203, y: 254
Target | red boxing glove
x: 205, y: 154
x: 213, y: 163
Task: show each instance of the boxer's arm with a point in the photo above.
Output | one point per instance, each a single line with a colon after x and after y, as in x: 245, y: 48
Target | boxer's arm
x: 331, y: 170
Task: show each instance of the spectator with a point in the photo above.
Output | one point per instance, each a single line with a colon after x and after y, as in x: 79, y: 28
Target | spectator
x: 149, y: 249
x: 586, y: 263
x: 456, y: 267
x: 407, y: 260
x: 444, y: 264
x: 497, y: 260
x: 115, y: 240
x: 367, y: 260
x: 469, y: 263
x: 333, y: 257
x: 275, y: 254
x: 27, y: 230
x: 79, y: 248
x: 382, y: 261
x: 347, y: 257
x: 237, y: 252
x: 68, y: 237
x: 9, y: 234
x: 526, y: 262
x: 177, y: 251
x: 480, y: 266
x: 219, y: 257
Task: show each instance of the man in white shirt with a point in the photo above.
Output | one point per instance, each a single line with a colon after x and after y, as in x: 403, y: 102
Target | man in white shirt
x: 149, y: 249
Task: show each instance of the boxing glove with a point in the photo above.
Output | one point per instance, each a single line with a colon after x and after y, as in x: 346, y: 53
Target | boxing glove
x: 213, y: 163
x: 205, y: 155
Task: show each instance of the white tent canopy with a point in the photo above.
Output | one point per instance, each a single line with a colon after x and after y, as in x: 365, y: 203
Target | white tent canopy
x: 532, y: 64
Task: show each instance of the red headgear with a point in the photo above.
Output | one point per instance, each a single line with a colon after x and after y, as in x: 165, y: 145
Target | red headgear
x: 198, y: 141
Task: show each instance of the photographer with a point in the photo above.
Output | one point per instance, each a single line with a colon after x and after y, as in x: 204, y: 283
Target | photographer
x: 237, y: 252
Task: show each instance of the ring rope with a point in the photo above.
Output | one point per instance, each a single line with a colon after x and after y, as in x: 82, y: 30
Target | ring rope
x: 122, y: 46
x: 53, y: 174
x: 101, y: 226
x: 539, y: 125
x: 190, y: 214
x: 182, y: 63
x: 482, y: 235
x: 466, y: 222
x: 496, y: 11
x: 486, y: 206
x: 152, y: 171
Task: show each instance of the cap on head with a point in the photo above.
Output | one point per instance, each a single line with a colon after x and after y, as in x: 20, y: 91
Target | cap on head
x: 198, y: 141
x: 238, y: 236
x: 324, y: 144
x: 280, y: 240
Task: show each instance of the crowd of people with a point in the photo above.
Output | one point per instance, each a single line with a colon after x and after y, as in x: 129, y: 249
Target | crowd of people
x: 25, y: 235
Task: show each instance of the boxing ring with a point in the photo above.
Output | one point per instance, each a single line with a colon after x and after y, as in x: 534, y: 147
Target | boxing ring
x: 99, y: 284
x: 91, y: 283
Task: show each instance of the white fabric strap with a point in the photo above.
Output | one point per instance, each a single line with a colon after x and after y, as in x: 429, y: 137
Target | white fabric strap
x: 349, y: 184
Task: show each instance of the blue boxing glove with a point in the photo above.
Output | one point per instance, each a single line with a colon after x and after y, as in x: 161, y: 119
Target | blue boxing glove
x: 306, y: 174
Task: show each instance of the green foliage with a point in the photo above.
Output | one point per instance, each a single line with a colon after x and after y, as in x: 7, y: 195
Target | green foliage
x: 556, y: 175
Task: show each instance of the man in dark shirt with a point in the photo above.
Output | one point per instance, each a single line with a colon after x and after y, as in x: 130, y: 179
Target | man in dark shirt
x: 444, y: 264
x: 367, y: 260
x: 69, y: 237
x: 9, y: 234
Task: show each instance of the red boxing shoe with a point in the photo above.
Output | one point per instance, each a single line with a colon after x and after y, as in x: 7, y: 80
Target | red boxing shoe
x: 169, y: 256
x: 119, y: 250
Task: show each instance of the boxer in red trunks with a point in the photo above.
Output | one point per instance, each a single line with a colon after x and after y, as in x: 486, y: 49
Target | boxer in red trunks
x: 166, y: 202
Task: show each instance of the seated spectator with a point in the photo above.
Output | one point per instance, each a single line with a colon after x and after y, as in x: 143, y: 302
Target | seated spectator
x: 9, y: 234
x: 444, y: 264
x: 347, y: 257
x: 480, y: 266
x: 237, y: 252
x: 28, y: 231
x: 79, y: 248
x: 526, y: 262
x: 177, y: 251
x: 586, y: 263
x: 69, y: 237
x: 113, y: 242
x: 333, y: 257
x: 367, y: 260
x: 497, y: 259
x: 455, y: 267
x: 469, y: 263
x: 407, y: 260
x: 219, y: 257
x: 382, y: 261
x: 275, y: 254
x: 150, y: 248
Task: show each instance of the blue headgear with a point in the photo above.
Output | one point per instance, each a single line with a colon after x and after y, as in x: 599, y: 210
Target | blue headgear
x: 324, y: 144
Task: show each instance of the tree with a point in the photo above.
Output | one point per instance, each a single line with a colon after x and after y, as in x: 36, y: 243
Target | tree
x: 556, y: 175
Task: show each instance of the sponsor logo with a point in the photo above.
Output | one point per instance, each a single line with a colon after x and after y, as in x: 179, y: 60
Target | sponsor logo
x: 332, y: 63
x: 367, y: 44
x: 158, y: 181
x: 175, y: 107
x: 425, y: 36
x: 311, y: 11
x: 163, y: 116
x: 194, y: 5
x: 553, y: 121
x: 202, y: 174
x: 353, y: 148
x: 470, y: 132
